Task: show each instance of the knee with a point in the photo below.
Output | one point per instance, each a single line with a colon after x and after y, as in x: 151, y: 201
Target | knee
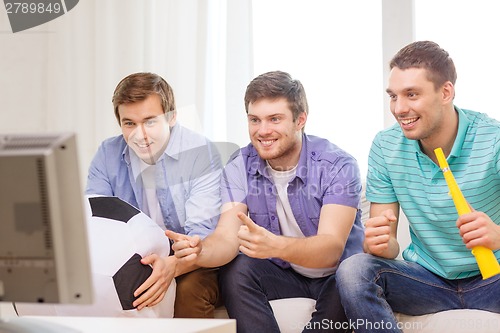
x: 240, y: 272
x: 197, y: 293
x: 187, y: 284
x: 235, y: 271
x: 353, y: 270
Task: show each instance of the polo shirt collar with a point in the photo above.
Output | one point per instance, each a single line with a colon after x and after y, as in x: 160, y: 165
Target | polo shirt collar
x: 463, y: 125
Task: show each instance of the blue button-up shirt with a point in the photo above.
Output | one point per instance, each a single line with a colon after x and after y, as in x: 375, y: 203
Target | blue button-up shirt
x: 325, y: 175
x: 187, y: 180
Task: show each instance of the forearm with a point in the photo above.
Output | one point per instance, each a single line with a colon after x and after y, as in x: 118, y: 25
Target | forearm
x: 304, y: 251
x: 217, y: 250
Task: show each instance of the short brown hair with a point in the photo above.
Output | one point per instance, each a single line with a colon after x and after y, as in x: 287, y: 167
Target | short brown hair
x: 430, y: 56
x: 138, y: 86
x: 274, y: 85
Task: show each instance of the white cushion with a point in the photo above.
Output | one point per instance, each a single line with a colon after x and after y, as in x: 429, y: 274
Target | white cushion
x: 292, y: 314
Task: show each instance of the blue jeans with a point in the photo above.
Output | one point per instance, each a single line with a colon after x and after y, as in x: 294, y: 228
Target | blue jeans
x: 371, y: 288
x: 247, y: 285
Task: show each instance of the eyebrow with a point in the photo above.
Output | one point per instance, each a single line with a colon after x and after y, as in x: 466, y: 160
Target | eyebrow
x: 389, y: 91
x: 125, y: 119
x: 269, y: 116
x: 145, y: 119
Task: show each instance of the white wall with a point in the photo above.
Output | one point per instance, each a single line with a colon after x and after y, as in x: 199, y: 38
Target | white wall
x: 469, y: 32
x: 335, y: 50
x: 60, y: 76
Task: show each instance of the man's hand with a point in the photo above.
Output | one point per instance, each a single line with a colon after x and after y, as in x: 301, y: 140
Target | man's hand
x: 477, y: 229
x: 255, y: 241
x: 185, y: 247
x: 155, y: 287
x: 378, y: 233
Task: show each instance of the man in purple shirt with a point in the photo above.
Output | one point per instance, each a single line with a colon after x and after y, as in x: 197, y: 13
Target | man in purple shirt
x: 289, y: 215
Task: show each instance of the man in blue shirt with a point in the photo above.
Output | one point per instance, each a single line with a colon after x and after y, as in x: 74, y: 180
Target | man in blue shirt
x: 439, y: 271
x: 290, y: 207
x: 170, y: 173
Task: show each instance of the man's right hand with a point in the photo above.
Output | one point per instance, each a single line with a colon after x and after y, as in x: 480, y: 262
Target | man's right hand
x: 378, y: 233
x: 185, y: 247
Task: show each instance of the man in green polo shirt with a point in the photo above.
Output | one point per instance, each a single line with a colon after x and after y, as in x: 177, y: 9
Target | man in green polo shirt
x: 439, y: 272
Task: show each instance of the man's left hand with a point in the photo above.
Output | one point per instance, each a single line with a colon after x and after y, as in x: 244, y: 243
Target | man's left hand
x: 477, y: 229
x: 155, y: 287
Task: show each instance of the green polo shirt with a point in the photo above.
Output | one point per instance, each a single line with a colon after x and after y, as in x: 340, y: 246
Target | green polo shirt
x: 398, y: 171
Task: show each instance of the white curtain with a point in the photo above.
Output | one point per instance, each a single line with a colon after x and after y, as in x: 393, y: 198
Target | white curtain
x: 60, y: 76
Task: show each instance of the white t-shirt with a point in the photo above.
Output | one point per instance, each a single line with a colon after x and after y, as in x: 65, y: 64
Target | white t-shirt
x: 288, y: 224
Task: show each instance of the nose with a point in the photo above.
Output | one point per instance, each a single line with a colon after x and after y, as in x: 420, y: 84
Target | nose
x: 264, y: 128
x: 139, y: 133
x: 399, y: 106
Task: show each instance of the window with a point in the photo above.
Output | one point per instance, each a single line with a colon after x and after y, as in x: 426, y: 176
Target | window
x: 469, y: 32
x: 335, y: 49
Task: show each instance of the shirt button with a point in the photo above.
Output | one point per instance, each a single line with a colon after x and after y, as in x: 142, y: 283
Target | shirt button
x: 273, y: 217
x: 313, y: 153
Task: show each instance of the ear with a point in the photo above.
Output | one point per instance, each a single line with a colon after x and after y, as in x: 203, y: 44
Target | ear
x: 301, y: 120
x: 448, y: 91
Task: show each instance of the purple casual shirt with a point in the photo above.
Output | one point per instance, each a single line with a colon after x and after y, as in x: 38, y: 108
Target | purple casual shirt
x: 325, y: 174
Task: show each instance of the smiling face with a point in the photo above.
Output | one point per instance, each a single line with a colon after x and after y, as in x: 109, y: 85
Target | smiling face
x: 274, y: 134
x: 424, y: 112
x: 145, y: 127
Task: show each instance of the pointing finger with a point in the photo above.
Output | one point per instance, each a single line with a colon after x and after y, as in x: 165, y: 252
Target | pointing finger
x: 176, y: 237
x: 247, y: 221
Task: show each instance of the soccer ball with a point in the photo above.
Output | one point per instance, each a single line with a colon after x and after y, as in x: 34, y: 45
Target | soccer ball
x: 119, y: 236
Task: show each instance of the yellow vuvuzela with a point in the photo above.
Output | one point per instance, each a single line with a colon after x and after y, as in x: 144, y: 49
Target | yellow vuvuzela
x: 486, y: 260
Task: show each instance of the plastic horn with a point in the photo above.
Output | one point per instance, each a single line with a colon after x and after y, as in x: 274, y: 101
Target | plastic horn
x: 486, y: 260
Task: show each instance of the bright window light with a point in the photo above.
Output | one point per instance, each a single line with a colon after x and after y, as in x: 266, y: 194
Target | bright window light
x: 335, y: 49
x: 469, y: 32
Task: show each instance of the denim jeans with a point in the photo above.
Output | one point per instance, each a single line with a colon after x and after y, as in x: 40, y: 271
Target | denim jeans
x: 247, y: 285
x: 371, y: 288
